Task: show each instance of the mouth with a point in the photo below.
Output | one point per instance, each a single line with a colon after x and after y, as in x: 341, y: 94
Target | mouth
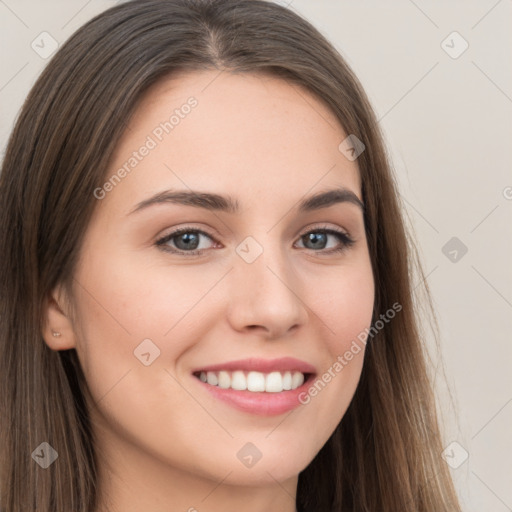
x: 258, y: 386
x: 254, y: 381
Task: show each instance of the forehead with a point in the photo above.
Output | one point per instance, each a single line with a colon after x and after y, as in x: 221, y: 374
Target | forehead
x: 213, y: 131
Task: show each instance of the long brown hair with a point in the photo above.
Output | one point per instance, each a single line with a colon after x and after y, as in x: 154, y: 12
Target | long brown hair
x: 385, y: 455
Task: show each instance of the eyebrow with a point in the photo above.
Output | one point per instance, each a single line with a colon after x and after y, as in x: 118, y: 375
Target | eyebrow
x: 227, y: 204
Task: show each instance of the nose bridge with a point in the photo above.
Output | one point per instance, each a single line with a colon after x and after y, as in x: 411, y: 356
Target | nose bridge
x: 262, y: 260
x: 266, y: 294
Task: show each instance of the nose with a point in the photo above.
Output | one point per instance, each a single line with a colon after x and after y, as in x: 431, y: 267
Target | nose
x: 265, y: 296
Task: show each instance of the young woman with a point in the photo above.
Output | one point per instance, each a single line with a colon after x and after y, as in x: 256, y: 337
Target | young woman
x: 206, y: 301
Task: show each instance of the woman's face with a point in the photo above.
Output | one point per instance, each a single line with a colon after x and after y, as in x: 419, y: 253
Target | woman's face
x: 242, y: 291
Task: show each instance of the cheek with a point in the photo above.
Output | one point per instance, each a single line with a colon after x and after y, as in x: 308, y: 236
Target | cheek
x: 129, y: 308
x: 126, y: 298
x: 349, y: 312
x: 132, y: 315
x: 344, y: 305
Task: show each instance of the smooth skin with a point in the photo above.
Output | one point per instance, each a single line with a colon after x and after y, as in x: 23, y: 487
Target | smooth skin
x: 165, y: 443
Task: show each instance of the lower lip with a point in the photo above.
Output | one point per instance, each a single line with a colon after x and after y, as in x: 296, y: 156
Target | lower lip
x: 261, y: 403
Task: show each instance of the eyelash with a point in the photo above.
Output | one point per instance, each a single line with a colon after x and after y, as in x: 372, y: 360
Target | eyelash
x: 346, y: 240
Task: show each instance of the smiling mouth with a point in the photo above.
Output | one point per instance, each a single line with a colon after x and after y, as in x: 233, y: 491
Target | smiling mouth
x: 256, y: 382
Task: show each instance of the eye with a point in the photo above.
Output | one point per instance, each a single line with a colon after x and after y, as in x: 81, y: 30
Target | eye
x: 318, y: 240
x: 187, y: 241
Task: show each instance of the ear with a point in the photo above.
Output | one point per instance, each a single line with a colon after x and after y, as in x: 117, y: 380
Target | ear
x: 58, y: 332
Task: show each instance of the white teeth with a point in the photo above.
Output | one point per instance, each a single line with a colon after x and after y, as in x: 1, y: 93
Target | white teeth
x: 287, y: 380
x: 238, y: 381
x: 211, y: 378
x: 224, y: 380
x: 255, y: 381
x: 273, y: 382
x: 297, y: 380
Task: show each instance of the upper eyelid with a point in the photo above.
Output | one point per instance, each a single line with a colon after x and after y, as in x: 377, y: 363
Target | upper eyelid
x: 186, y: 229
x: 321, y: 226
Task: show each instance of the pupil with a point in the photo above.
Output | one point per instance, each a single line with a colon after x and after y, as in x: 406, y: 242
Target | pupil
x: 190, y: 241
x: 317, y: 239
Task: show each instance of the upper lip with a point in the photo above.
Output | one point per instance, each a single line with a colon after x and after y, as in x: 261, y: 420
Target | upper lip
x: 261, y: 365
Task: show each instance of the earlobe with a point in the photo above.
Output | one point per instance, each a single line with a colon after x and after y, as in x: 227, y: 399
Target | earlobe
x: 58, y: 332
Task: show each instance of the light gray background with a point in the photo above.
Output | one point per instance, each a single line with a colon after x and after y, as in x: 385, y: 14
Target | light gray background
x: 448, y: 126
